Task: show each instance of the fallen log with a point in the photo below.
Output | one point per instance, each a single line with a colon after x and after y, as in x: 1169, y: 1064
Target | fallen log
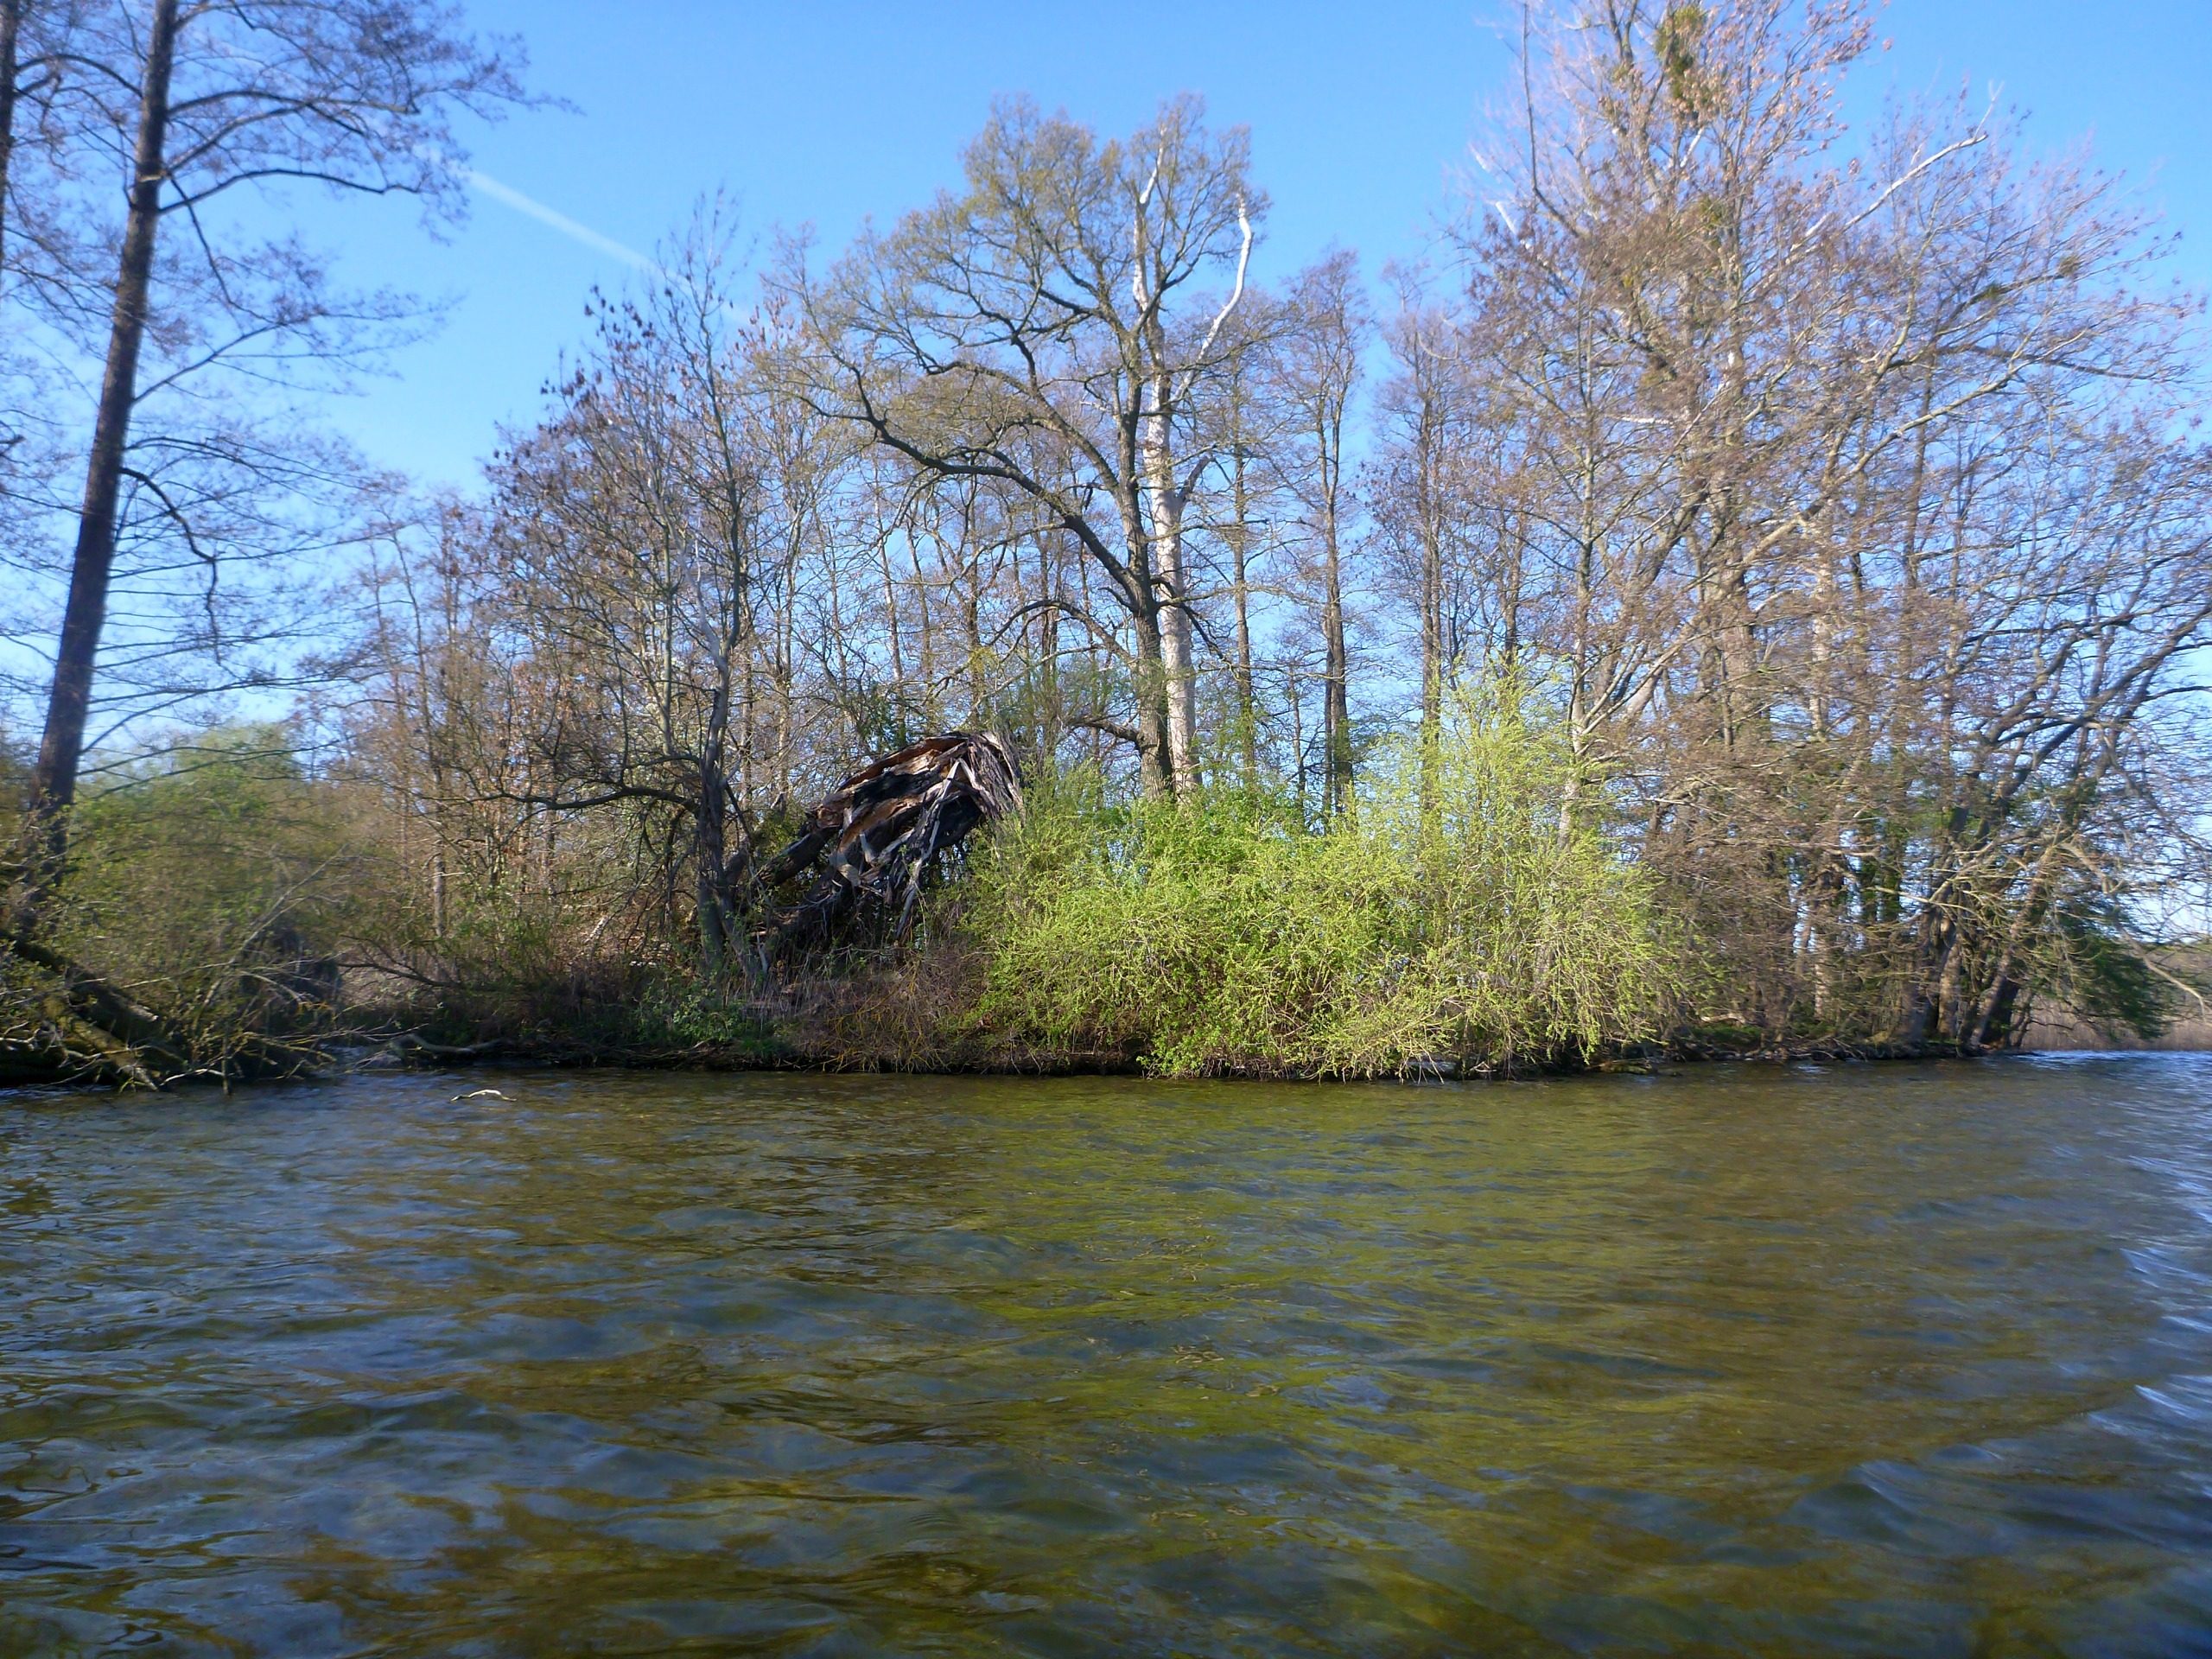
x: 91, y: 1026
x: 873, y: 838
x: 68, y: 1023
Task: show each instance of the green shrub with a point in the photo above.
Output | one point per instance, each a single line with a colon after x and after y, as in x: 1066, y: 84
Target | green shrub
x: 2110, y: 978
x: 206, y: 883
x: 676, y: 1012
x: 1457, y: 911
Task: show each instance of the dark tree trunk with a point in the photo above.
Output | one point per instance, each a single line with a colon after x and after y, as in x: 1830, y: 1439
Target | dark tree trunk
x: 1248, y: 702
x: 11, y: 28
x: 1336, y: 704
x: 710, y: 843
x: 1155, y: 765
x: 1996, y: 1025
x: 1923, y: 992
x: 54, y: 785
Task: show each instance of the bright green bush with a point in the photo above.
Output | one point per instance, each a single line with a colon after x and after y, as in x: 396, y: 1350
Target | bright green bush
x: 675, y: 1013
x: 208, y: 883
x: 1458, y: 911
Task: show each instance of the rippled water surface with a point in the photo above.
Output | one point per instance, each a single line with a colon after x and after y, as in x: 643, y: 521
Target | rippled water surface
x: 1863, y: 1361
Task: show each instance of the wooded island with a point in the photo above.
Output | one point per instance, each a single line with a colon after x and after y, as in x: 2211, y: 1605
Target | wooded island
x: 1743, y: 594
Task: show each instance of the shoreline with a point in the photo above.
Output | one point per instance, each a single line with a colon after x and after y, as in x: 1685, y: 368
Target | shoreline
x: 409, y: 1052
x: 417, y: 1054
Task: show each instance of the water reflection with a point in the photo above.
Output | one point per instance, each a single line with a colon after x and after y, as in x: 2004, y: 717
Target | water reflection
x: 1864, y: 1361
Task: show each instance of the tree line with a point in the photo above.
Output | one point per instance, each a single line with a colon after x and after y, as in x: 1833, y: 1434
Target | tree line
x: 1831, y: 497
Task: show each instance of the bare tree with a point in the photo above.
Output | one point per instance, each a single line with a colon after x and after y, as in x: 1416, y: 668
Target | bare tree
x: 355, y: 95
x: 1785, y: 446
x: 1045, y: 329
x: 1316, y: 371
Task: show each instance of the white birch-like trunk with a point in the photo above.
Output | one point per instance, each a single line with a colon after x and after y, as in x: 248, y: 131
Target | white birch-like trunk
x: 1176, y: 657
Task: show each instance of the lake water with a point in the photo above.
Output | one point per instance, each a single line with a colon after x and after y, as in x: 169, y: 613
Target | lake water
x: 1865, y: 1360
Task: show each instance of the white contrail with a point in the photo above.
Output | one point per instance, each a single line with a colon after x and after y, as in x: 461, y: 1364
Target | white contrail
x: 559, y: 221
x: 555, y: 219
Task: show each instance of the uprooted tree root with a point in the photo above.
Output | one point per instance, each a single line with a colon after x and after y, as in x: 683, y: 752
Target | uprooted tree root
x: 873, y: 838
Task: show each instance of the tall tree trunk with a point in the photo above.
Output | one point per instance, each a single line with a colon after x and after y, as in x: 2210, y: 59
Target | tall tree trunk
x: 710, y: 850
x: 1336, y: 784
x: 1428, y: 512
x: 1155, y: 740
x: 54, y: 785
x: 972, y: 611
x: 1050, y: 723
x: 11, y: 28
x: 1176, y: 661
x: 1154, y: 724
x: 1929, y: 968
x: 1432, y: 631
x: 1248, y: 702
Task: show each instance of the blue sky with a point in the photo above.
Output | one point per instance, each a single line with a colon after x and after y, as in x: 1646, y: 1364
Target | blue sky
x: 827, y: 114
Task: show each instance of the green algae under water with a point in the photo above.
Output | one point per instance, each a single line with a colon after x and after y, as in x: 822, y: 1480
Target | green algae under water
x: 1876, y: 1360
